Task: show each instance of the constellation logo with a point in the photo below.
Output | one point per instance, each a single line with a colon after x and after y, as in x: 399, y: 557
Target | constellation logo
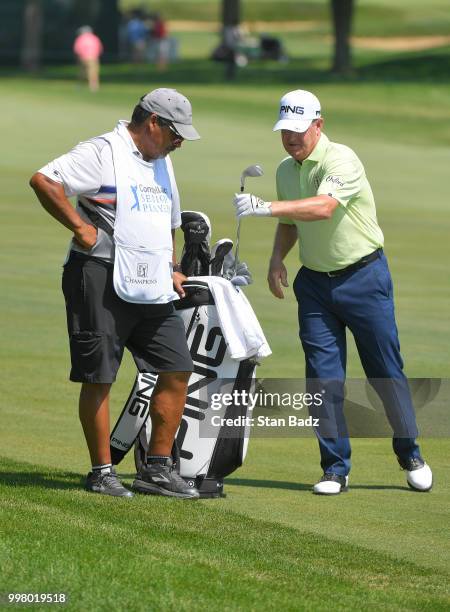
x: 134, y: 191
x: 149, y: 198
x: 142, y: 270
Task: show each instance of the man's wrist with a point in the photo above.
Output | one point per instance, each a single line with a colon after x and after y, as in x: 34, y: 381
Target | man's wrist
x: 268, y: 207
x: 176, y: 267
x: 276, y: 258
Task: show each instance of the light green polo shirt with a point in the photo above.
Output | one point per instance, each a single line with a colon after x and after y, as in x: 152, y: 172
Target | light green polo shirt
x: 352, y: 231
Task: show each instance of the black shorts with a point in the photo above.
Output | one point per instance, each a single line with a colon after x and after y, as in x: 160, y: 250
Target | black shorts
x: 100, y: 325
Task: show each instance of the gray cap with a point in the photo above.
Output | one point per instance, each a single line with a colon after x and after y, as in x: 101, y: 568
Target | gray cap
x: 170, y: 104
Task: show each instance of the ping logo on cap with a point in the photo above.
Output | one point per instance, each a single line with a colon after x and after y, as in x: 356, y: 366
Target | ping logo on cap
x: 297, y: 110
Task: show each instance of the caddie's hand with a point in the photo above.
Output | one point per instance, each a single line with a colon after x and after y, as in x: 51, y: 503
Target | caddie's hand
x: 276, y: 277
x: 86, y: 236
x: 178, y: 278
x: 247, y: 204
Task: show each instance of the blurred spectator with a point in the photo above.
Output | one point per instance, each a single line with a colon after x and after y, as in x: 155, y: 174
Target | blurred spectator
x: 160, y: 41
x: 137, y: 36
x: 88, y: 48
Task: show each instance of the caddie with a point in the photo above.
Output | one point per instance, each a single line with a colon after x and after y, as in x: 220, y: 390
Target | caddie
x: 325, y: 202
x: 120, y: 278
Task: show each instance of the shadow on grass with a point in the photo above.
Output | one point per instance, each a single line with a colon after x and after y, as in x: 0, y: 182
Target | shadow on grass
x: 268, y: 484
x: 430, y: 67
x: 294, y: 486
x: 416, y: 67
x: 70, y: 480
x: 60, y: 480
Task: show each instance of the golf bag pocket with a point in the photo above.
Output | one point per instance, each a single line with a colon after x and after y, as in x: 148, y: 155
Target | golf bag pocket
x: 143, y: 276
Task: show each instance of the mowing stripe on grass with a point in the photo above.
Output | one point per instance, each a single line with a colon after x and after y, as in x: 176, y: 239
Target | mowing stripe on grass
x: 165, y: 554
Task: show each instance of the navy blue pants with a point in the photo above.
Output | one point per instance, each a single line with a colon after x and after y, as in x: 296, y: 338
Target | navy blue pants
x: 361, y: 300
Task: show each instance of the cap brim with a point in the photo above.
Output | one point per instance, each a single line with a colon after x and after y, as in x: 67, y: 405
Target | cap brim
x: 188, y: 132
x: 299, y: 125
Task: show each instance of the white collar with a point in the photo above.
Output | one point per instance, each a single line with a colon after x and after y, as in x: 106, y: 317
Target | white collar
x: 125, y: 134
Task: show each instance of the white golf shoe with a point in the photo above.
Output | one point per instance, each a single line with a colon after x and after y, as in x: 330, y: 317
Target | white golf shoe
x: 418, y: 474
x: 331, y: 484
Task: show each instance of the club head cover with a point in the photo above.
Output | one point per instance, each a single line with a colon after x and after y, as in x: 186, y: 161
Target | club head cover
x: 218, y: 254
x: 239, y: 275
x: 197, y: 234
x: 242, y: 276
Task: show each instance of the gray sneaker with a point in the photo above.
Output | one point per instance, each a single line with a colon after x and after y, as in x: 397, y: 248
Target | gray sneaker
x: 163, y: 479
x: 106, y: 484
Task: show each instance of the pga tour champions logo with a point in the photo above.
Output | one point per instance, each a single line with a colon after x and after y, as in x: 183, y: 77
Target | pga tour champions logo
x: 141, y: 277
x: 142, y: 270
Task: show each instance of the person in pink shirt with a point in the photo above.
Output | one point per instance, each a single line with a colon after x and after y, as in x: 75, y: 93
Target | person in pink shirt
x: 88, y: 48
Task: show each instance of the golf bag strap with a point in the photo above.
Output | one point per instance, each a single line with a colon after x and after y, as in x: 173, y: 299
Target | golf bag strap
x: 176, y: 456
x: 133, y: 416
x: 96, y: 219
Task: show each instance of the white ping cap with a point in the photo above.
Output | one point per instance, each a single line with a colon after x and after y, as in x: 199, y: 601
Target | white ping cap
x: 298, y: 109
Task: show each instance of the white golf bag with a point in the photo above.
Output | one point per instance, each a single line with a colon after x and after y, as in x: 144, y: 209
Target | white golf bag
x: 202, y: 461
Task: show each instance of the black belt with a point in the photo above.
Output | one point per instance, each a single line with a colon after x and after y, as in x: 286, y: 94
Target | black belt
x: 357, y: 265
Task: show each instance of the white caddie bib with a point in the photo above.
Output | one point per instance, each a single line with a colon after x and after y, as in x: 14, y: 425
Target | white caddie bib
x: 142, y: 229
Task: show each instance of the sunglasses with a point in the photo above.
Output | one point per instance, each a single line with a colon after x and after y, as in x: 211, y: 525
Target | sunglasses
x: 170, y: 125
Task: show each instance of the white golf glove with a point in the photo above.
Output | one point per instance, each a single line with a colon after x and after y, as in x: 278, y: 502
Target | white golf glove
x: 247, y: 204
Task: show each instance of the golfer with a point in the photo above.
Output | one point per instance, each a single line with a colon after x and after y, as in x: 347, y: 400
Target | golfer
x: 120, y: 278
x: 326, y: 204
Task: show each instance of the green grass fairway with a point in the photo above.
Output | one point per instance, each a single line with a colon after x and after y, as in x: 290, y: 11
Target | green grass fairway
x: 270, y: 544
x: 261, y: 548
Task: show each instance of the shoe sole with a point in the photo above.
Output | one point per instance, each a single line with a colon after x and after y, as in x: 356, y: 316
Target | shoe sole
x: 343, y: 490
x: 419, y: 490
x: 140, y: 486
x: 99, y: 492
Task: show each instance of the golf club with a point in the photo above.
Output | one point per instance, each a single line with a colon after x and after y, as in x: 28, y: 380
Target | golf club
x: 254, y: 170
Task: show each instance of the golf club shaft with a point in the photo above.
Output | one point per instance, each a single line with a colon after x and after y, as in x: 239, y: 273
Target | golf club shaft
x: 255, y: 170
x: 238, y: 235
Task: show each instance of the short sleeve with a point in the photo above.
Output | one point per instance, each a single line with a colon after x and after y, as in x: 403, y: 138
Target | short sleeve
x: 79, y: 171
x: 342, y: 179
x: 176, y: 211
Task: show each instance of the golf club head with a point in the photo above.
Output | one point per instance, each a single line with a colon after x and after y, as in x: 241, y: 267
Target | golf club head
x: 254, y: 170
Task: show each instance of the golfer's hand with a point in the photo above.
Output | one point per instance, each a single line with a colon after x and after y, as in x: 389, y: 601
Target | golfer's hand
x: 247, y: 204
x: 178, y: 278
x: 86, y: 236
x: 276, y: 277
